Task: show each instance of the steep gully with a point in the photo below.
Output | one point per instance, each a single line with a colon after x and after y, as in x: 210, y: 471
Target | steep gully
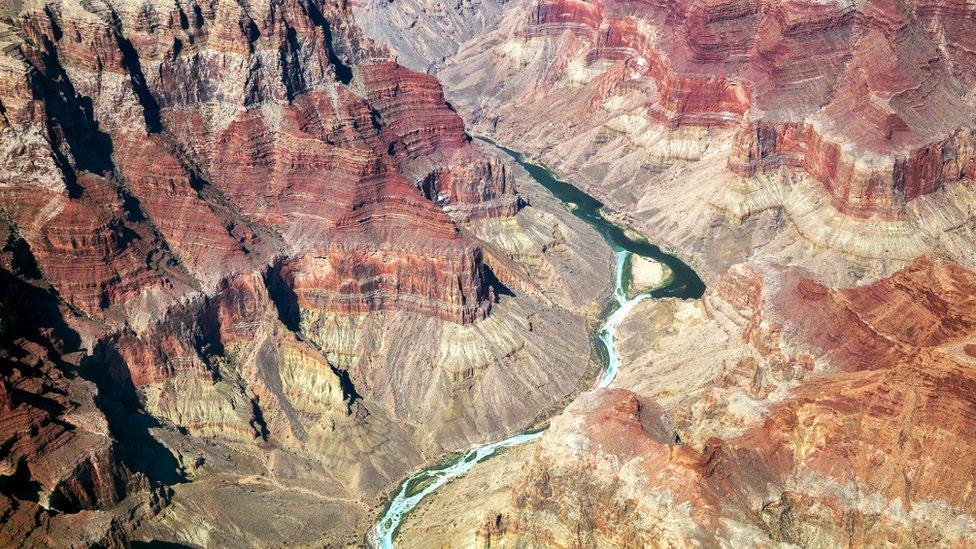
x: 684, y: 284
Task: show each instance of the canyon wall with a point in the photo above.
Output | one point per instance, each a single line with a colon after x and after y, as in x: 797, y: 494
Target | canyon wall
x: 873, y: 100
x: 776, y: 410
x: 254, y: 271
x: 814, y: 162
x: 833, y: 135
x: 236, y: 221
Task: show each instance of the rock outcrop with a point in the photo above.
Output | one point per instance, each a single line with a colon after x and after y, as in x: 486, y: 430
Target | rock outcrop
x: 872, y: 100
x: 424, y: 33
x: 234, y: 158
x: 254, y: 270
x: 740, y: 130
x: 778, y: 410
x: 814, y: 161
x: 62, y: 472
x: 192, y: 187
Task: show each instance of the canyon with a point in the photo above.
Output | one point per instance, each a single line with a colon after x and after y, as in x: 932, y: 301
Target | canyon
x: 259, y: 272
x: 813, y: 162
x: 226, y: 228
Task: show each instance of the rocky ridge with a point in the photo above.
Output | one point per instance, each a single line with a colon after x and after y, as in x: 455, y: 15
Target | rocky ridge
x: 239, y: 219
x: 779, y: 114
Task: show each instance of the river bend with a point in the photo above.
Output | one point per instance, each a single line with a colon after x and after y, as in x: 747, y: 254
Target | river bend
x: 683, y: 283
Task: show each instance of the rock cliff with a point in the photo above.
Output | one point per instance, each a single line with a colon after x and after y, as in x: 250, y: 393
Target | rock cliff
x: 873, y: 100
x: 777, y: 410
x: 740, y: 130
x: 254, y: 271
x: 814, y: 161
x: 236, y: 221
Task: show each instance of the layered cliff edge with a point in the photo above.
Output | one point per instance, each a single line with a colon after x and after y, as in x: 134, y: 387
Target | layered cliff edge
x: 234, y: 222
x: 833, y: 135
x: 873, y: 100
x: 226, y: 227
x: 813, y: 160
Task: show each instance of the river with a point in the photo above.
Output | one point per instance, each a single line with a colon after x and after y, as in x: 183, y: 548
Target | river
x: 684, y: 283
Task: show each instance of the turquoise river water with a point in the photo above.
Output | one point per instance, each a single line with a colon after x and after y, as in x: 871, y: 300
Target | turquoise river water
x: 684, y: 283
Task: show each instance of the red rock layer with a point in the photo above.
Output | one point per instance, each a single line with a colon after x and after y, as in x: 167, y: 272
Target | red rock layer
x: 559, y: 15
x: 349, y: 280
x: 188, y: 177
x: 471, y: 189
x: 869, y: 100
x: 875, y: 447
x: 584, y: 492
x: 60, y: 471
x: 236, y: 177
x: 900, y: 395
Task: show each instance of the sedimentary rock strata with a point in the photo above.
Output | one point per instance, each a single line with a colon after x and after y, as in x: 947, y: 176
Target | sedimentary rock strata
x: 62, y: 469
x: 777, y: 410
x: 814, y: 162
x: 424, y: 33
x: 866, y: 99
x: 786, y: 128
x: 254, y: 270
x: 203, y: 195
x: 225, y: 167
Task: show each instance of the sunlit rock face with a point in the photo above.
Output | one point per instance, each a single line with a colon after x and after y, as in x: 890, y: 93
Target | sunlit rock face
x: 425, y: 33
x: 197, y: 138
x: 833, y: 135
x: 873, y: 99
x: 183, y: 185
x: 810, y: 416
x: 254, y: 271
x: 814, y: 161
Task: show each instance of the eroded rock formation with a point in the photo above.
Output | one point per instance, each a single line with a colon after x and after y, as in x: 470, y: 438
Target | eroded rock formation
x: 778, y: 410
x: 62, y: 469
x: 833, y: 135
x: 269, y: 272
x: 814, y: 161
x: 873, y: 100
x: 234, y: 217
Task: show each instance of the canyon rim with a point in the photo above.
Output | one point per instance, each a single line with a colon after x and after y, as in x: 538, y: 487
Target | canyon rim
x: 604, y: 273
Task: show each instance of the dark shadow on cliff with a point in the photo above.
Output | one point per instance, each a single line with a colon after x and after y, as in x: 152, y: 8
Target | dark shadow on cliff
x: 349, y: 393
x: 27, y: 310
x: 291, y: 65
x: 130, y: 60
x: 20, y: 485
x: 30, y: 311
x: 206, y: 338
x: 70, y: 123
x: 500, y: 288
x: 283, y: 297
x: 157, y: 544
x: 128, y: 422
x: 343, y: 71
x: 285, y: 301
